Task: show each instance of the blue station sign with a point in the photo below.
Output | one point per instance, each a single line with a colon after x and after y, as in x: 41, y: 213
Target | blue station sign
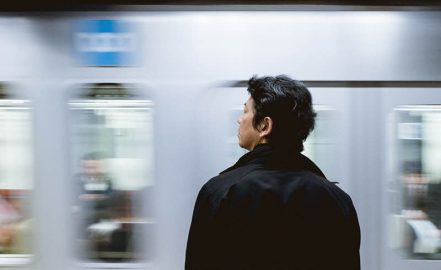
x: 105, y: 43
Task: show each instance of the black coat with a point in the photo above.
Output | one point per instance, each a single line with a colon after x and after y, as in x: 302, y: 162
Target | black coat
x: 273, y: 210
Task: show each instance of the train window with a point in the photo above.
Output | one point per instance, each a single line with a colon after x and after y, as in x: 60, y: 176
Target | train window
x: 320, y: 146
x: 112, y: 159
x: 416, y: 221
x: 16, y: 179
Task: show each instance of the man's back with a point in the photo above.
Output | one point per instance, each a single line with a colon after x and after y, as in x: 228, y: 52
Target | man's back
x: 273, y: 210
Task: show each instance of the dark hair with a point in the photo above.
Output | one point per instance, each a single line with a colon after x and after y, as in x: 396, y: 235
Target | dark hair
x: 93, y: 156
x: 288, y: 103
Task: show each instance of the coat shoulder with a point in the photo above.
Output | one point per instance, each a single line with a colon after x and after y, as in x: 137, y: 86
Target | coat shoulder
x: 300, y: 189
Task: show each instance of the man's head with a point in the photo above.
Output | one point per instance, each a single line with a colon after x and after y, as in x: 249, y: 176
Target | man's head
x: 91, y: 164
x: 279, y: 112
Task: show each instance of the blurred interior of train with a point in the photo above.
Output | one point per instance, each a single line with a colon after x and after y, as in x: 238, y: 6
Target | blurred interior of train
x: 113, y: 114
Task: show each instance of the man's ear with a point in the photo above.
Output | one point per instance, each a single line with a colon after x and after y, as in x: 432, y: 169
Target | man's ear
x: 265, y: 127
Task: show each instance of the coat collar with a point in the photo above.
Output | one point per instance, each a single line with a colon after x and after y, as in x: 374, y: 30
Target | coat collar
x: 272, y: 158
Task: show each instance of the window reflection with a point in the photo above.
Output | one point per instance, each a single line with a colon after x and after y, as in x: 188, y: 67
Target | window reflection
x: 113, y: 160
x: 417, y: 221
x: 16, y: 176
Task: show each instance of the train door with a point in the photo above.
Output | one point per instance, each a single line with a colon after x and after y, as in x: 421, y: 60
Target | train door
x: 344, y: 144
x: 412, y: 185
x: 338, y: 145
x: 112, y: 169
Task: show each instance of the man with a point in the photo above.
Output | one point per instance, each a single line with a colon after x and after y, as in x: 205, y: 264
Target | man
x: 274, y: 209
x: 95, y: 195
x: 95, y: 185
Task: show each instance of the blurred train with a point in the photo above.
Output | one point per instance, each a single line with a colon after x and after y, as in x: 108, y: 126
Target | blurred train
x: 110, y: 122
